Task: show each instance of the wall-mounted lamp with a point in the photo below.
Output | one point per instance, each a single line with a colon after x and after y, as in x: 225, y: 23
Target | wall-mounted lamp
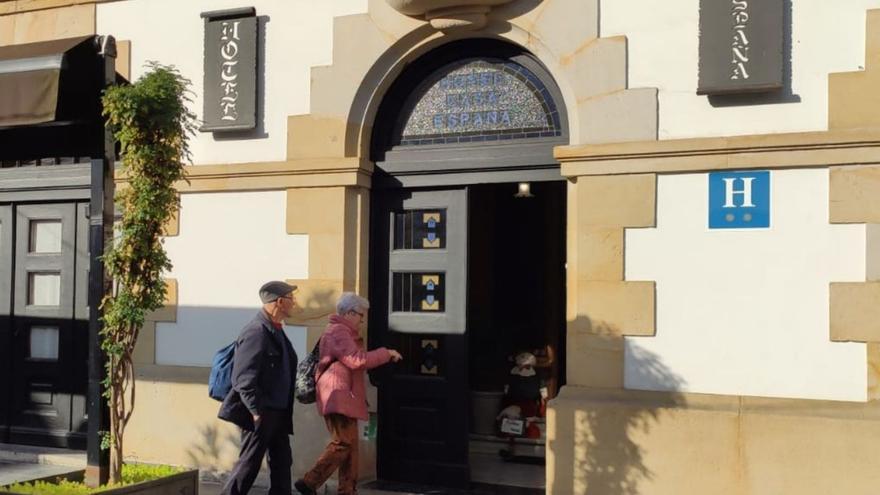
x: 524, y: 190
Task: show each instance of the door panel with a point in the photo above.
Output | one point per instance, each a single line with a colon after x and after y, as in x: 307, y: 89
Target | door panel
x: 44, y: 259
x: 50, y: 347
x: 419, y: 300
x: 428, y: 262
x: 42, y: 389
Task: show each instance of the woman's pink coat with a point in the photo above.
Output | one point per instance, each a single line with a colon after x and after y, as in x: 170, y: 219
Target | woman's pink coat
x: 340, y: 384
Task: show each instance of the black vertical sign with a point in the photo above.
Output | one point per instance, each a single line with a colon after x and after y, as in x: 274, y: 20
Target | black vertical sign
x: 740, y: 46
x: 230, y: 92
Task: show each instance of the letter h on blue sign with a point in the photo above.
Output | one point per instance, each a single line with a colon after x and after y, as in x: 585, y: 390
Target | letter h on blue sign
x: 739, y: 200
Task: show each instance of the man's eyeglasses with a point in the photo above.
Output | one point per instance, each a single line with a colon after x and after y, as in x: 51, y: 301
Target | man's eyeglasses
x: 362, y: 315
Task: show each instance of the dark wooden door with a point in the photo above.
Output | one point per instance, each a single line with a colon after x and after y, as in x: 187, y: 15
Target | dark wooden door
x: 419, y: 302
x: 49, y: 344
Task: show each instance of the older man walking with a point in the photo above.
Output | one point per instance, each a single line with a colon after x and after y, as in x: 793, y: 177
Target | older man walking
x: 261, y: 399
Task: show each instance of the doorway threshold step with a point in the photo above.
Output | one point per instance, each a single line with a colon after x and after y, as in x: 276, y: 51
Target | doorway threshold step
x: 476, y: 437
x: 12, y: 453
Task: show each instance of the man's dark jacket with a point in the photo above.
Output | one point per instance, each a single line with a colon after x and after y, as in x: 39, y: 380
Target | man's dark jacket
x: 256, y: 369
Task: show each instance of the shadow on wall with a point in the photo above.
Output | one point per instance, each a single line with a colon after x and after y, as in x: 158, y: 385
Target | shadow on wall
x: 210, y: 452
x: 314, y: 306
x: 603, y: 427
x: 200, y: 331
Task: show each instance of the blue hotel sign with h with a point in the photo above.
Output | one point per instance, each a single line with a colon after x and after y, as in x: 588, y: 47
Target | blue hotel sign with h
x: 739, y: 200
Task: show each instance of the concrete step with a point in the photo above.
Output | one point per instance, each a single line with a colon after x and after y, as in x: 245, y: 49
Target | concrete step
x: 16, y: 472
x: 28, y: 454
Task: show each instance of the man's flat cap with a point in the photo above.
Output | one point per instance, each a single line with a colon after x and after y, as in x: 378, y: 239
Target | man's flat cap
x: 270, y: 291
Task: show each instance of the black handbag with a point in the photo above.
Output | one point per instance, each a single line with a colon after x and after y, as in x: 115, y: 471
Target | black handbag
x: 304, y: 389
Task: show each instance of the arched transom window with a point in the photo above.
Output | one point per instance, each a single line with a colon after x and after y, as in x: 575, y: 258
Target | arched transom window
x: 478, y: 100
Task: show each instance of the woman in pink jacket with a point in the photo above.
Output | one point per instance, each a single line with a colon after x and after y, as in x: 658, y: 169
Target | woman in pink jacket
x: 341, y: 396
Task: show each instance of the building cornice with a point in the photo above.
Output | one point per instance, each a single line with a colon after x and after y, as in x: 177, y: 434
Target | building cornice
x: 275, y: 175
x: 803, y: 149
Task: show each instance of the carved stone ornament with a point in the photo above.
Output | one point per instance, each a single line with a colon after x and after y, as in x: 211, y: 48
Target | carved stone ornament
x: 448, y: 15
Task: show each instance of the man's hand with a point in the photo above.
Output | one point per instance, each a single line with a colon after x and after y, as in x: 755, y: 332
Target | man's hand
x: 257, y: 418
x: 395, y: 356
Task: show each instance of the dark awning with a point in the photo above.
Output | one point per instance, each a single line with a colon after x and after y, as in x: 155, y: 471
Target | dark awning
x: 50, y: 99
x: 32, y: 76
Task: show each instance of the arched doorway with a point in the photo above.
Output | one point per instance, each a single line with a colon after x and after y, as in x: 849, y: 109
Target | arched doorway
x: 468, y: 265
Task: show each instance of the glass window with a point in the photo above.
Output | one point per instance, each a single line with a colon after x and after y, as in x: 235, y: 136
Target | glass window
x: 45, y: 236
x: 44, y: 289
x: 420, y: 229
x: 418, y: 292
x: 44, y: 343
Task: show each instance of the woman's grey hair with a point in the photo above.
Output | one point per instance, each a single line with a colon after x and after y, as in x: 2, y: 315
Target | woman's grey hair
x: 349, y: 301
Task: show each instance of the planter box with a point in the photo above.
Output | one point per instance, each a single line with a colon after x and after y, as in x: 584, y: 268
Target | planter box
x: 185, y: 483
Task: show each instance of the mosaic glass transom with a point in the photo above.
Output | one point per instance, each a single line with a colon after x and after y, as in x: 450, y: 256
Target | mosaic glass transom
x: 480, y: 100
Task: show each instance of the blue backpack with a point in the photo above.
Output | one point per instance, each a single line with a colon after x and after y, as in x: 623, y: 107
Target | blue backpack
x: 220, y: 381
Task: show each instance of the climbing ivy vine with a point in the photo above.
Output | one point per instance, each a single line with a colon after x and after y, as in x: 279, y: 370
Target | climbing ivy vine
x: 151, y: 122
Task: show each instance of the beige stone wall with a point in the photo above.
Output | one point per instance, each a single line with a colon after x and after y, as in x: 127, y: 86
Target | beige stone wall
x: 145, y: 350
x: 852, y: 100
x: 854, y: 307
x: 629, y: 443
x: 176, y: 422
x: 853, y: 103
x: 603, y: 439
x: 601, y: 306
x: 19, y: 6
x: 25, y: 22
